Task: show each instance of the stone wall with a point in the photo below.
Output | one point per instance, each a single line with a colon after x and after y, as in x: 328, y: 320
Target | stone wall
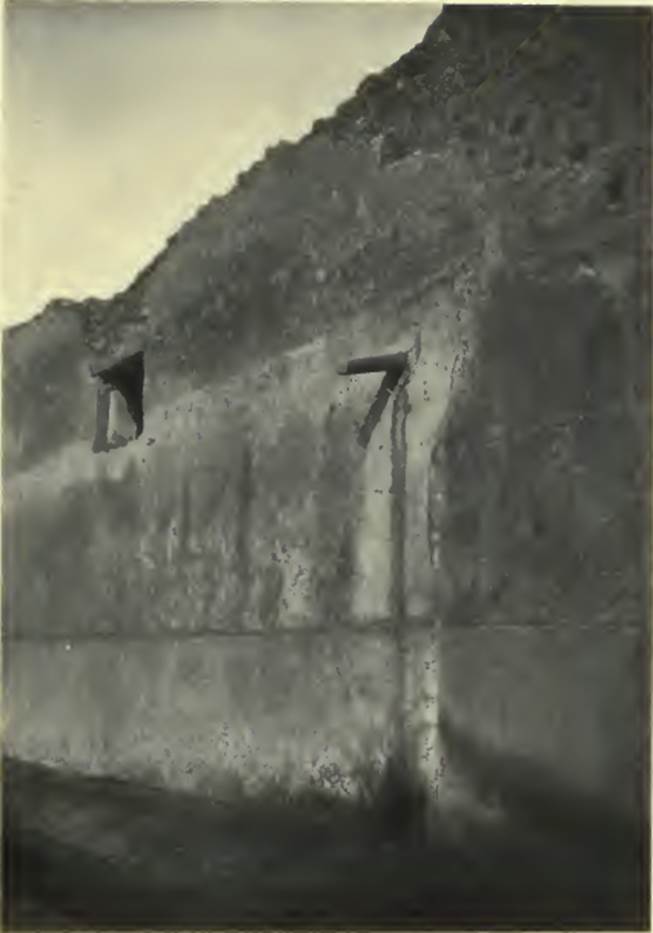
x: 545, y: 456
x: 489, y: 192
x: 214, y: 601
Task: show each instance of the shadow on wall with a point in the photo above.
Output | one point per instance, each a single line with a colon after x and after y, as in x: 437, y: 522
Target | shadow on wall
x: 546, y: 485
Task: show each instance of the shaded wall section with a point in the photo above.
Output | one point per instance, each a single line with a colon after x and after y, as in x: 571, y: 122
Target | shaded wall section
x: 545, y: 455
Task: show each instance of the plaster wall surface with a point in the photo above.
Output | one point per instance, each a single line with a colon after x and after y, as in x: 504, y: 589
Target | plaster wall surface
x: 490, y: 194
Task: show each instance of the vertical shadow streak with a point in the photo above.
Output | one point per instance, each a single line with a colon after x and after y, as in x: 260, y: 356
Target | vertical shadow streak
x: 377, y: 407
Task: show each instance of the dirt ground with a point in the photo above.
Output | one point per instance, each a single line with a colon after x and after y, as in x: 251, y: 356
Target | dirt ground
x: 101, y: 853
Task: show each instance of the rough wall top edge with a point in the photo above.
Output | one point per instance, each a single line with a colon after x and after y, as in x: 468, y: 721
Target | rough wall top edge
x: 55, y: 347
x: 456, y: 21
x: 83, y: 307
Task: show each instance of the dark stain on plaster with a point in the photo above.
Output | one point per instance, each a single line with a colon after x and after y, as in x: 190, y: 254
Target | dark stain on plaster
x: 336, y: 505
x: 242, y: 549
x: 400, y: 410
x: 269, y: 603
x: 184, y: 529
x: 103, y: 404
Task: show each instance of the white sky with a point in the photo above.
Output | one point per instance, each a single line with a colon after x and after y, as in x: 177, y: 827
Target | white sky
x: 121, y: 119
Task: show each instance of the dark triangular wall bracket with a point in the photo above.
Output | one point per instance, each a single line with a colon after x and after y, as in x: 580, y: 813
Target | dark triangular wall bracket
x: 127, y: 378
x: 394, y: 366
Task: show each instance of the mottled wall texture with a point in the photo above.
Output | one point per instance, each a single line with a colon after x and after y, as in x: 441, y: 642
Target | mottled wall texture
x: 245, y: 591
x: 220, y: 594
